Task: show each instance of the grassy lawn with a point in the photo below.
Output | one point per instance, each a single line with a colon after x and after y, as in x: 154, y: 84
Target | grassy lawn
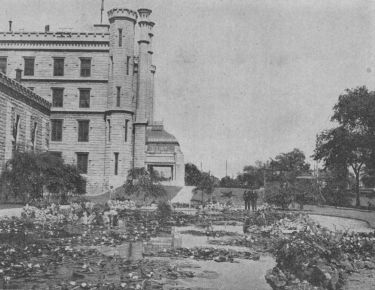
x: 103, y: 198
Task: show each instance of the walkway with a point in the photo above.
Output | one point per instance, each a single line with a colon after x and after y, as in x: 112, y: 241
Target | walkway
x: 184, y: 195
x: 368, y: 216
x: 9, y: 212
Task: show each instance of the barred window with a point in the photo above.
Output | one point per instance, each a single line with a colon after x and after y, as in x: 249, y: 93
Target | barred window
x: 3, y: 65
x: 127, y: 64
x: 56, y: 129
x: 82, y: 162
x: 57, y: 97
x: 84, y: 98
x: 85, y: 67
x: 120, y: 37
x: 83, y: 130
x: 58, y: 66
x: 126, y: 130
x: 29, y: 66
x: 116, y: 163
x: 118, y: 96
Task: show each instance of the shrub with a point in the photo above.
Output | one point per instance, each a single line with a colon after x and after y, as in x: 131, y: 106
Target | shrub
x: 28, y: 174
x: 164, y: 210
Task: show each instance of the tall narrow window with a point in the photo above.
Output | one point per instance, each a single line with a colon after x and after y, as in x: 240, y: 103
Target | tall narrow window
x: 33, y: 135
x: 82, y: 162
x: 56, y: 129
x: 15, y: 128
x: 85, y: 67
x: 127, y: 64
x: 118, y: 96
x: 57, y: 97
x: 126, y: 130
x: 120, y: 37
x: 29, y: 66
x: 83, y: 130
x: 84, y: 98
x: 3, y: 65
x: 116, y: 163
x: 109, y: 130
x: 58, y: 66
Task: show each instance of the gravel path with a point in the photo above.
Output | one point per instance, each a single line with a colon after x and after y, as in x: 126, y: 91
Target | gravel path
x: 367, y: 216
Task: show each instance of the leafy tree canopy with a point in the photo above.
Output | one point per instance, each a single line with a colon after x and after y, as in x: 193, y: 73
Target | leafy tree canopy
x: 27, y: 174
x: 352, y: 143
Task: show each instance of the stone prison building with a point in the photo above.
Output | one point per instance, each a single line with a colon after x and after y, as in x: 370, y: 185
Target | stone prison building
x: 96, y: 104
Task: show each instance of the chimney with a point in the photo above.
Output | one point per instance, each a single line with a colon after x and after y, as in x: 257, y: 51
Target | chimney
x: 10, y: 25
x: 46, y: 28
x: 18, y: 75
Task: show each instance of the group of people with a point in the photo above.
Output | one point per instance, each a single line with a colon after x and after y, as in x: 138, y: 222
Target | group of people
x: 250, y: 197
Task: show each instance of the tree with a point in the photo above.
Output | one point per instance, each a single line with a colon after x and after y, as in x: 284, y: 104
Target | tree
x: 229, y: 182
x: 339, y: 147
x: 142, y: 183
x: 205, y: 184
x: 351, y: 144
x: 287, y: 166
x: 192, y: 174
x: 28, y: 173
x: 252, y: 175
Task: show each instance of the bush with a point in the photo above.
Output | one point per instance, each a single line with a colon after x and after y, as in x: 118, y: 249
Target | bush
x: 28, y: 174
x: 142, y: 185
x: 280, y: 196
x: 164, y: 210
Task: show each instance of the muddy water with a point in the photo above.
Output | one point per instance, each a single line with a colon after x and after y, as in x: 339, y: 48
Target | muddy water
x: 341, y: 224
x: 241, y: 275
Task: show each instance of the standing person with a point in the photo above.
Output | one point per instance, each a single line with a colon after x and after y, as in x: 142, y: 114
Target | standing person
x: 254, y: 197
x: 246, y: 199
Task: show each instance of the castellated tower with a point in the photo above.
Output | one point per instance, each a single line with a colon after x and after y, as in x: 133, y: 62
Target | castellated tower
x: 121, y: 100
x: 100, y: 84
x: 143, y: 88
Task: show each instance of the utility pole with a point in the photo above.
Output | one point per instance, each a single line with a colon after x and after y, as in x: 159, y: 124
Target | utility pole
x: 101, y: 12
x: 226, y: 168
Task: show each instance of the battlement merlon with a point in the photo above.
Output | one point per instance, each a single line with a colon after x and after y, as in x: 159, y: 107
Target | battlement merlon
x: 123, y: 14
x: 144, y: 13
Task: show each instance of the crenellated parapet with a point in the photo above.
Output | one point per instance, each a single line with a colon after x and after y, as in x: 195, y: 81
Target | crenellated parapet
x: 25, y: 94
x: 122, y: 13
x: 144, y: 13
x: 54, y: 36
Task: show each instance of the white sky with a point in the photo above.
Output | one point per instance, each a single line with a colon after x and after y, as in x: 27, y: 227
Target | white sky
x: 238, y: 80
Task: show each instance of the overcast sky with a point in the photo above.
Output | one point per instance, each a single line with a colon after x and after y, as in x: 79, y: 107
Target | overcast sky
x: 238, y: 80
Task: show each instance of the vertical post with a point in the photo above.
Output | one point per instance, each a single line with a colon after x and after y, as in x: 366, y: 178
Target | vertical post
x: 101, y: 12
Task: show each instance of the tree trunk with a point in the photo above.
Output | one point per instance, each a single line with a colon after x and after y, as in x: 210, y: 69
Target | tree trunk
x: 357, y: 201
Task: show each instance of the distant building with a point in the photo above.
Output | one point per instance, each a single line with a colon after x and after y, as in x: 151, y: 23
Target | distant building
x: 24, y: 120
x: 101, y: 87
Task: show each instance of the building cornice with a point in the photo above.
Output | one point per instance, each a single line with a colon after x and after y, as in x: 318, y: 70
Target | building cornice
x: 27, y: 96
x: 78, y: 80
x: 55, y: 36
